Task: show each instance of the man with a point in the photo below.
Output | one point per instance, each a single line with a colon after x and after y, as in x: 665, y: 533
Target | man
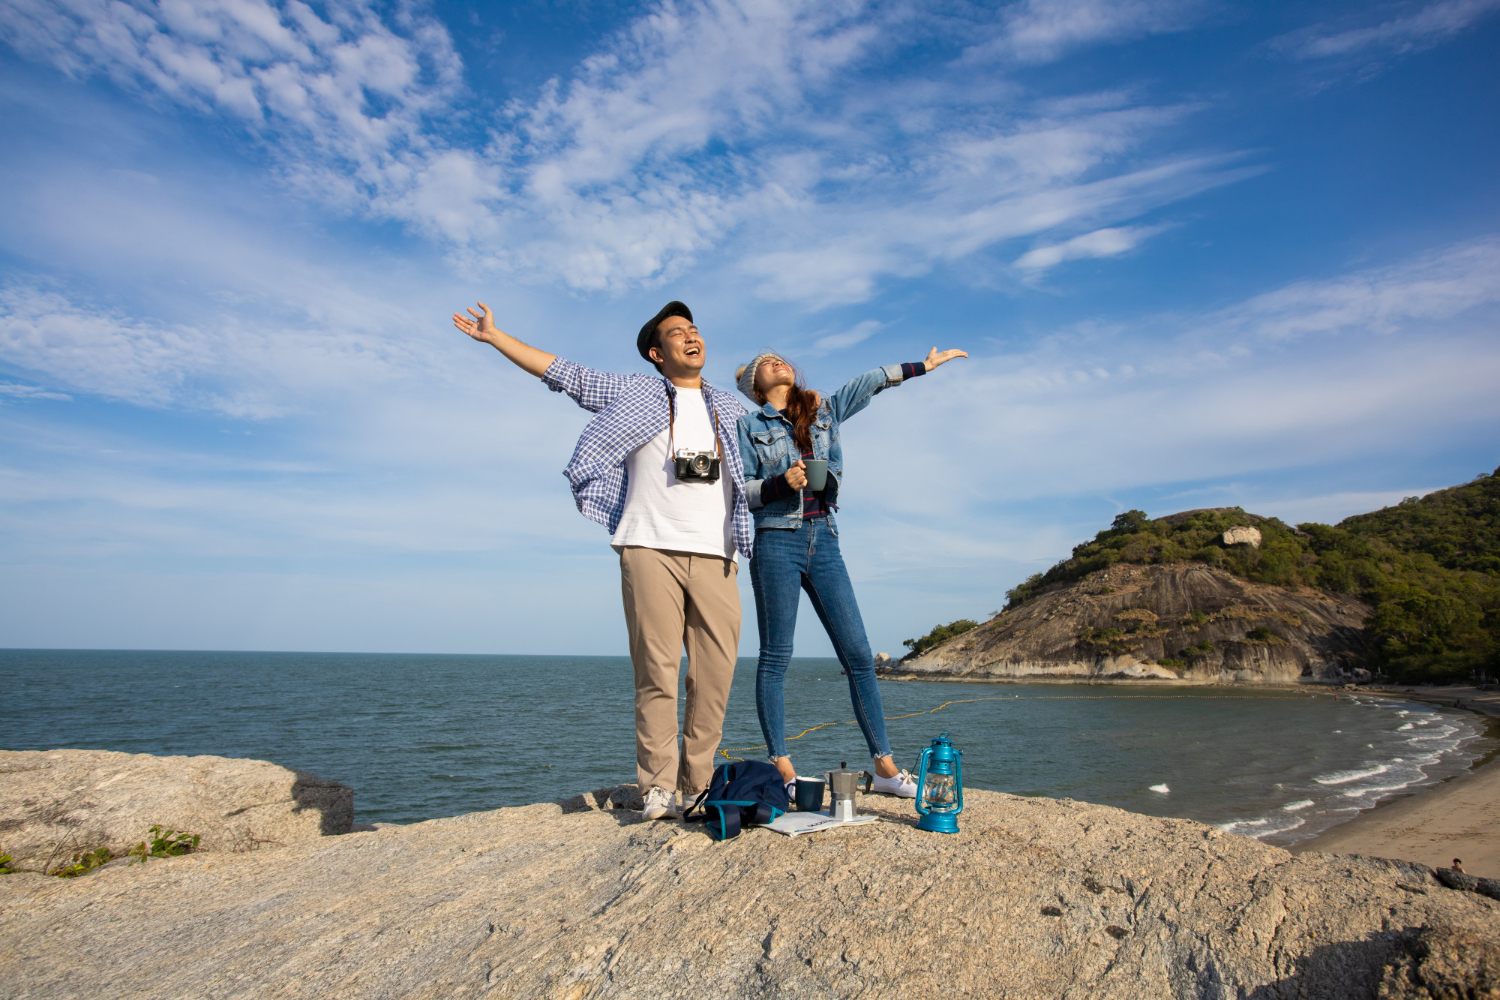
x: 676, y: 522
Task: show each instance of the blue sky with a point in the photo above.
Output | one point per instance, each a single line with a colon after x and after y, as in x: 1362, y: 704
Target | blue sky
x: 1200, y: 253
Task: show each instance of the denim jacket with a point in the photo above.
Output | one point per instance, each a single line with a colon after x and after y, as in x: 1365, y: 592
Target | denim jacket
x: 767, y: 448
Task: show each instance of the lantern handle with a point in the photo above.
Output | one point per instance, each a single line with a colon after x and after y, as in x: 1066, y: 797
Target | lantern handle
x: 922, y: 779
x: 958, y: 778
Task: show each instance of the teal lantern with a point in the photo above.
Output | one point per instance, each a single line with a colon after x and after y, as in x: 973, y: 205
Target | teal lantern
x: 940, y: 787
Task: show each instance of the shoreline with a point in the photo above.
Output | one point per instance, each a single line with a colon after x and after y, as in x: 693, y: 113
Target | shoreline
x: 1459, y: 817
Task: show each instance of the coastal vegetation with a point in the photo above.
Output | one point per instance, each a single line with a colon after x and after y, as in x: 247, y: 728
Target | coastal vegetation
x: 163, y: 844
x: 159, y: 843
x: 1429, y: 567
x: 940, y: 633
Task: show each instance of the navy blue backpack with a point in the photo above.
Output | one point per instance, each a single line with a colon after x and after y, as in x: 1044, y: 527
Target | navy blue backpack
x: 742, y: 793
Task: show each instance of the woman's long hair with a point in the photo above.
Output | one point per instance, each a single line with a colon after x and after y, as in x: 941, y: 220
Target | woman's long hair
x: 801, y: 408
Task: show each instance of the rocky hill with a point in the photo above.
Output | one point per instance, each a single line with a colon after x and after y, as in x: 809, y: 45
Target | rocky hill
x: 1221, y: 593
x: 1182, y: 621
x: 1031, y: 898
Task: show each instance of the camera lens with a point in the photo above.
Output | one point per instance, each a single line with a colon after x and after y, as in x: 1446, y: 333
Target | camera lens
x: 700, y: 463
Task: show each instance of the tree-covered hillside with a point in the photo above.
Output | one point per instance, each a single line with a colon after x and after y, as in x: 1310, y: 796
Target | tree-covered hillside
x: 1429, y: 566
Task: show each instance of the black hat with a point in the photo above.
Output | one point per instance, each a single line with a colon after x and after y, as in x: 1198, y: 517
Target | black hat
x: 673, y: 308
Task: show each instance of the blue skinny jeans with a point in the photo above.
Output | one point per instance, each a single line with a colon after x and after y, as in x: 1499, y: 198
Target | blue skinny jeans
x: 788, y: 561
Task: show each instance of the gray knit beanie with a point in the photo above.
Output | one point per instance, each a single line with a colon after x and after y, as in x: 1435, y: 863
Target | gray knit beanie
x: 744, y: 375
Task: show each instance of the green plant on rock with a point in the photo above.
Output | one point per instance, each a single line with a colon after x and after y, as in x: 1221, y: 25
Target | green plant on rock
x: 6, y: 867
x: 85, y: 862
x: 1109, y: 641
x: 1023, y: 592
x: 1263, y: 634
x: 163, y: 844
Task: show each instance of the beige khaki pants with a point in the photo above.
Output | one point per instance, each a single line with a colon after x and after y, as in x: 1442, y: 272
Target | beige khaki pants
x: 675, y: 600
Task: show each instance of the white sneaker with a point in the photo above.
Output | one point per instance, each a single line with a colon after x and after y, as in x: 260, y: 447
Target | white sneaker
x: 659, y: 803
x: 903, y: 785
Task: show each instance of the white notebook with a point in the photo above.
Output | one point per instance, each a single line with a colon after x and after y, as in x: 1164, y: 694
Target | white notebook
x: 794, y: 823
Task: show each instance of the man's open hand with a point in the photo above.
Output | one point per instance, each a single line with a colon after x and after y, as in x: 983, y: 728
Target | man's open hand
x: 481, y: 327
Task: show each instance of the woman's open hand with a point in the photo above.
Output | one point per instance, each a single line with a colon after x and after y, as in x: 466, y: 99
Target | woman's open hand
x: 796, y: 476
x: 936, y: 357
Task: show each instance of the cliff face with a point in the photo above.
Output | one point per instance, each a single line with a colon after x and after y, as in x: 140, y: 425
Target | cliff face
x: 1124, y: 621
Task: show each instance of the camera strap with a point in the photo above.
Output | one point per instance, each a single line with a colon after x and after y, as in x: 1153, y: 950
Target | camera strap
x: 672, y: 430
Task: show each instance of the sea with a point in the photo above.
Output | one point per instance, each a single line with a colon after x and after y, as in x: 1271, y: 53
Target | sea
x: 424, y: 736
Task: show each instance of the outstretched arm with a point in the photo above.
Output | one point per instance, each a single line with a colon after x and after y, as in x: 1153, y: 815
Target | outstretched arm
x: 856, y: 395
x: 482, y: 328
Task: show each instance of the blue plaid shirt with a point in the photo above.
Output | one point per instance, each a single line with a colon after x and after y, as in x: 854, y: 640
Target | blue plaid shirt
x: 632, y: 409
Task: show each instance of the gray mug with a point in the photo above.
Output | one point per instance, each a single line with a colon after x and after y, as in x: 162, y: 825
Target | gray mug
x: 817, y: 473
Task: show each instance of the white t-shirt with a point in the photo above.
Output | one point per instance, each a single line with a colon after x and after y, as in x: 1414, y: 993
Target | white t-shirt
x: 662, y: 513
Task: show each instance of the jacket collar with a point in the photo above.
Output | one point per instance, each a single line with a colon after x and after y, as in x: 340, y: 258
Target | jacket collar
x: 771, y: 413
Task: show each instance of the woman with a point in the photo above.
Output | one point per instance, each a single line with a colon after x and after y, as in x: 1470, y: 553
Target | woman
x: 797, y: 545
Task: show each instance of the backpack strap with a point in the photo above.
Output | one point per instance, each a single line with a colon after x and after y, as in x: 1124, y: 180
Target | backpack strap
x: 729, y: 822
x: 687, y: 811
x: 764, y: 814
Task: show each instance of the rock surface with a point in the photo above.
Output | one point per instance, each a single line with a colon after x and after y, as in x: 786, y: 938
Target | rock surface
x: 1119, y: 622
x: 1437, y: 963
x: 1032, y: 898
x: 55, y: 803
x: 1243, y: 535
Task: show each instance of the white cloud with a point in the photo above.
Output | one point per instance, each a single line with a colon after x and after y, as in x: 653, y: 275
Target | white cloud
x: 15, y: 391
x: 748, y: 130
x: 1422, y: 28
x: 960, y: 216
x: 1379, y: 300
x: 857, y: 334
x: 96, y: 352
x: 1109, y: 242
x: 352, y: 82
x: 350, y: 101
x: 252, y: 370
x: 1232, y: 394
x: 1035, y: 31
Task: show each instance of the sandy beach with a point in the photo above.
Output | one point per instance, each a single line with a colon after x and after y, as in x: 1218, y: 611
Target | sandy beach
x: 1459, y: 818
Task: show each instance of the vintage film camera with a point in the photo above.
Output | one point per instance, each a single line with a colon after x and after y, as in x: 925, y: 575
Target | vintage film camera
x: 691, y: 466
x: 697, y: 466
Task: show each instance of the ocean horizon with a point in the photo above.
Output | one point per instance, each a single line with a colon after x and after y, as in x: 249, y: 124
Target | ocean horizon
x: 420, y: 736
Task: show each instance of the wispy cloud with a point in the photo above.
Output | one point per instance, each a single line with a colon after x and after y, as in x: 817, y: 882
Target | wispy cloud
x: 1109, y: 242
x: 1383, y: 300
x: 1036, y: 31
x: 1241, y: 388
x: 857, y: 334
x: 1417, y: 27
x: 17, y: 391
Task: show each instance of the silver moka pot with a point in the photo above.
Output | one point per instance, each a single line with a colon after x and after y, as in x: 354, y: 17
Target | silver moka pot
x: 843, y: 783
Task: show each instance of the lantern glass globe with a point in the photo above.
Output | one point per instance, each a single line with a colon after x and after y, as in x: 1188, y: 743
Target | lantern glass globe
x: 939, y: 792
